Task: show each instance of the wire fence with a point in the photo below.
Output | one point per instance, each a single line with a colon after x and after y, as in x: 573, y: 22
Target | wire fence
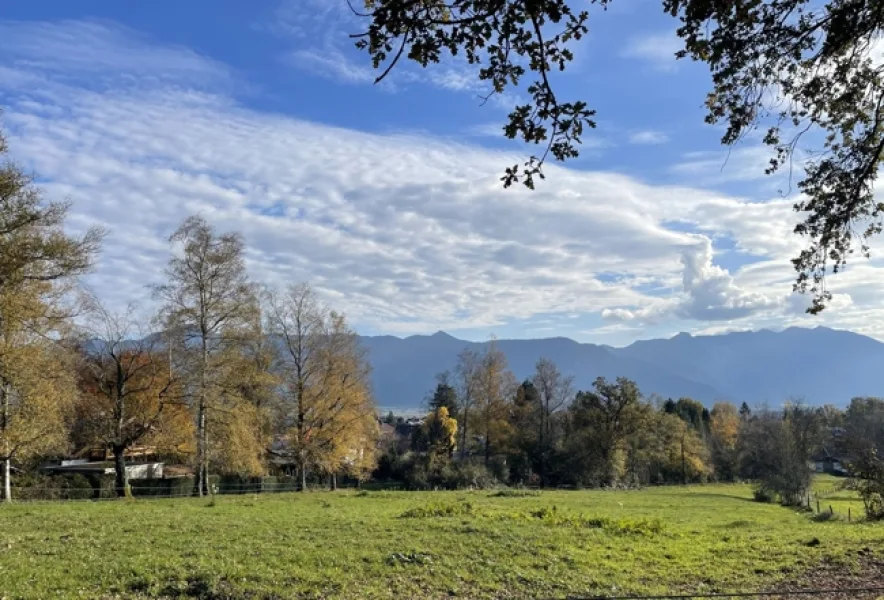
x: 853, y: 593
x: 175, y: 489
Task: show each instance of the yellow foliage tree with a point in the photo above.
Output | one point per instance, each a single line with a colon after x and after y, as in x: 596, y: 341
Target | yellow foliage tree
x: 684, y: 449
x: 39, y: 262
x: 327, y: 415
x: 724, y: 432
x: 440, y: 432
x: 494, y: 389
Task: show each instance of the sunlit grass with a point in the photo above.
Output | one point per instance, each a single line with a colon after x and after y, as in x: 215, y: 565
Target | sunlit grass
x: 423, y: 544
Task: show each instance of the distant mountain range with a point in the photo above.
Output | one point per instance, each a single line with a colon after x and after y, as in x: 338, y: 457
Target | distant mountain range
x: 820, y: 365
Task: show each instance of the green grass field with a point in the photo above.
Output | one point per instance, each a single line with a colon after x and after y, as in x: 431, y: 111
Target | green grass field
x: 424, y: 544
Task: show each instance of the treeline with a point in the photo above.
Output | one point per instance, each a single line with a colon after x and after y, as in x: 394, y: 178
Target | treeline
x: 227, y: 376
x: 485, y: 427
x: 230, y: 377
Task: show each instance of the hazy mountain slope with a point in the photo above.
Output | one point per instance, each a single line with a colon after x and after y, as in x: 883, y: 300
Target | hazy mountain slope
x: 404, y: 370
x: 822, y: 365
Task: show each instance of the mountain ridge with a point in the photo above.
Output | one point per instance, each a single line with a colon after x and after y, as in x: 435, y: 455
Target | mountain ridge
x: 820, y: 364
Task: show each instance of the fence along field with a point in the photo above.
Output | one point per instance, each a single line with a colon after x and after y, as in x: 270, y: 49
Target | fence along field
x: 480, y: 544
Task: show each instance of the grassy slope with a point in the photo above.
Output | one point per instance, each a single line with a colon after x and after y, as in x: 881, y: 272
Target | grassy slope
x: 348, y: 545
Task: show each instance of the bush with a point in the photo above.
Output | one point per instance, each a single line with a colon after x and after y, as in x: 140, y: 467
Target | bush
x: 762, y: 494
x: 514, y: 494
x: 867, y: 479
x: 437, y: 510
x: 471, y: 475
x: 174, y: 487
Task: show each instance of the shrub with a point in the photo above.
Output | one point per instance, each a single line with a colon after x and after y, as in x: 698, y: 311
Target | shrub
x: 438, y: 510
x: 514, y: 494
x: 76, y: 487
x: 471, y: 475
x: 762, y: 494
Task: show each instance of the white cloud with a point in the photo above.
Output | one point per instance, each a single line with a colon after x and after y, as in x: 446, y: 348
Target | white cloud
x: 657, y: 49
x: 100, y: 50
x: 402, y: 232
x: 332, y: 54
x: 648, y: 137
x: 332, y: 64
x: 711, y: 292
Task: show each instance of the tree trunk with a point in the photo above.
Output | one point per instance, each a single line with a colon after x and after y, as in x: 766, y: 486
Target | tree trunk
x: 303, y: 470
x: 463, y: 448
x: 7, y: 480
x: 334, y: 482
x: 121, y: 479
x: 201, y: 483
x: 684, y: 471
x: 541, y: 444
x: 7, y: 461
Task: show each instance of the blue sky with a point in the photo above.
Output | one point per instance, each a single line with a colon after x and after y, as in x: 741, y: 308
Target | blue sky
x: 263, y: 117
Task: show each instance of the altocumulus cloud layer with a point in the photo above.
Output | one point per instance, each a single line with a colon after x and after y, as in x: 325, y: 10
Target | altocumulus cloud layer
x: 403, y: 233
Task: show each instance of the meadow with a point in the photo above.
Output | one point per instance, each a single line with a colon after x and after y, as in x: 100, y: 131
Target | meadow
x: 386, y: 544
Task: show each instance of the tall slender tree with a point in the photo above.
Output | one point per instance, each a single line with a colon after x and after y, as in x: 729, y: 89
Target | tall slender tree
x: 208, y: 301
x: 554, y: 392
x: 494, y: 389
x: 39, y: 262
x: 466, y: 381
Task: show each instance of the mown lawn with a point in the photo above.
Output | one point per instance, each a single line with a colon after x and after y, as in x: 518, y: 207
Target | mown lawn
x: 463, y: 544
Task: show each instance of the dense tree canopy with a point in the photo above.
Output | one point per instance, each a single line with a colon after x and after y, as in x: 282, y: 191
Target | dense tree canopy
x: 800, y: 71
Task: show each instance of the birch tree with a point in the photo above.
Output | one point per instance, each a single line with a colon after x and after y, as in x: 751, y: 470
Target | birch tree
x: 39, y: 263
x: 208, y: 301
x: 554, y: 391
x: 466, y: 380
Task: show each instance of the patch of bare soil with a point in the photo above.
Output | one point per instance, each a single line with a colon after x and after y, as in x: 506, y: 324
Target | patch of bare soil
x: 865, y: 569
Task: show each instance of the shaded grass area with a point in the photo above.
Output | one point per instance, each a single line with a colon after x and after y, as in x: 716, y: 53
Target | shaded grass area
x: 423, y: 544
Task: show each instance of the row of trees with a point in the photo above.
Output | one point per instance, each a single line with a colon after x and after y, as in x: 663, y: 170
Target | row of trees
x: 226, y: 374
x: 239, y: 379
x: 543, y: 432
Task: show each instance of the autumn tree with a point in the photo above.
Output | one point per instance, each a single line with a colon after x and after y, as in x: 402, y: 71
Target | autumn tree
x: 775, y: 451
x: 327, y: 413
x: 36, y: 398
x: 208, y: 301
x: 247, y: 390
x: 724, y: 431
x: 553, y: 392
x: 439, y: 433
x: 802, y: 72
x: 466, y: 380
x: 666, y: 449
x: 128, y: 393
x: 39, y: 262
x: 493, y: 391
x: 600, y: 423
